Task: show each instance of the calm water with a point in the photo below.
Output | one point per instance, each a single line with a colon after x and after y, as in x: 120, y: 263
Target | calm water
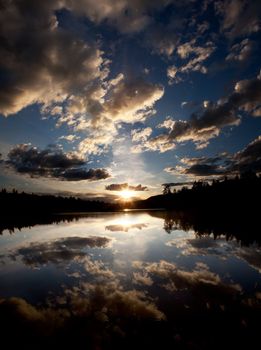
x: 118, y: 280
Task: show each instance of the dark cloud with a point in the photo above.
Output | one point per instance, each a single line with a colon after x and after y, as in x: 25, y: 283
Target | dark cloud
x: 241, y: 51
x: 27, y: 156
x: 110, y: 310
x: 176, y: 184
x: 126, y: 16
x: 125, y: 186
x: 249, y: 159
x: 203, y: 166
x: 239, y: 17
x: 51, y: 162
x: 252, y: 257
x: 204, y: 169
x: 59, y: 251
x: 82, y: 174
x: 162, y: 39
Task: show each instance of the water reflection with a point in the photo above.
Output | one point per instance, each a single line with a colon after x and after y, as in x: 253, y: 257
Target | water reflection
x: 124, y: 228
x: 119, y: 281
x: 58, y: 251
x: 243, y: 229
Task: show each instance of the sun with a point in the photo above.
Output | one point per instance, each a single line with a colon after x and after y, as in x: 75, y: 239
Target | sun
x: 127, y: 194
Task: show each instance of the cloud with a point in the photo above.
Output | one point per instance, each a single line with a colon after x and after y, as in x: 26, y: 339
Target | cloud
x: 132, y: 100
x: 98, y: 141
x: 51, y: 162
x: 248, y: 159
x: 202, y: 167
x: 126, y: 16
x: 69, y: 138
x: 42, y: 62
x: 189, y: 104
x: 239, y: 17
x: 124, y: 99
x: 241, y: 51
x: 252, y: 257
x: 205, y: 169
x: 195, y: 56
x: 127, y: 100
x: 125, y: 186
x: 140, y: 134
x: 159, y: 143
x: 125, y: 228
x: 142, y: 278
x: 202, y: 27
x: 201, y: 127
x: 162, y: 39
x: 176, y: 184
x: 108, y: 307
x: 182, y: 279
x: 171, y: 74
x: 201, y: 53
x: 59, y: 251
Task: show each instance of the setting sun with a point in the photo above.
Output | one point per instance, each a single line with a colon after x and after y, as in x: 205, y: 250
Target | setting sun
x: 127, y: 194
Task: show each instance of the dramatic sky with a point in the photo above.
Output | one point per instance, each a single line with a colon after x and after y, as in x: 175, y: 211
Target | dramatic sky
x: 102, y: 96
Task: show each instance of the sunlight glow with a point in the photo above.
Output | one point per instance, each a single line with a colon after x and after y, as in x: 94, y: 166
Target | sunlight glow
x: 127, y: 194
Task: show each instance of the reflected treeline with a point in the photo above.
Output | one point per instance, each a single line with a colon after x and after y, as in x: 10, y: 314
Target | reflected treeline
x: 18, y: 222
x: 244, y: 229
x: 11, y: 223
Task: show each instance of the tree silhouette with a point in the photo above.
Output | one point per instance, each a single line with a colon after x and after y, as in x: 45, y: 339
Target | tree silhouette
x: 166, y: 189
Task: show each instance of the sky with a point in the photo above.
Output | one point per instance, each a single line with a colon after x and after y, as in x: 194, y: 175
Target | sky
x: 100, y: 97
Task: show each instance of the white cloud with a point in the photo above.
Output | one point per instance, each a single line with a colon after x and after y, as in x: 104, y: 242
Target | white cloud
x: 195, y: 55
x: 140, y: 134
x: 204, y: 126
x: 69, y: 138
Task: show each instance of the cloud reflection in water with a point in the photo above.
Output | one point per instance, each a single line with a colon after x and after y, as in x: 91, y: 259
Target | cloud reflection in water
x: 144, y: 288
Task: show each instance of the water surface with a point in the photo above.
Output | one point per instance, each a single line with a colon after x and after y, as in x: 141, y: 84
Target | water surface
x: 124, y: 280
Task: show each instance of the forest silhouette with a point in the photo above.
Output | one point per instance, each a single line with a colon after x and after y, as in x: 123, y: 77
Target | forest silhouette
x: 238, y: 194
x: 224, y: 207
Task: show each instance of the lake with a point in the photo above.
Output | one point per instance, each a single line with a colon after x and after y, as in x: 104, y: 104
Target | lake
x: 128, y: 280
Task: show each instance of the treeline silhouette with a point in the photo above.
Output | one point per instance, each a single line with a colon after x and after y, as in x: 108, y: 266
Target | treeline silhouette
x: 239, y: 194
x: 227, y: 207
x: 14, y: 203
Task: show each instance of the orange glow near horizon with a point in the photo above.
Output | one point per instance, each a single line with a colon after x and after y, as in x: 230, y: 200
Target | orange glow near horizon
x: 127, y: 195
